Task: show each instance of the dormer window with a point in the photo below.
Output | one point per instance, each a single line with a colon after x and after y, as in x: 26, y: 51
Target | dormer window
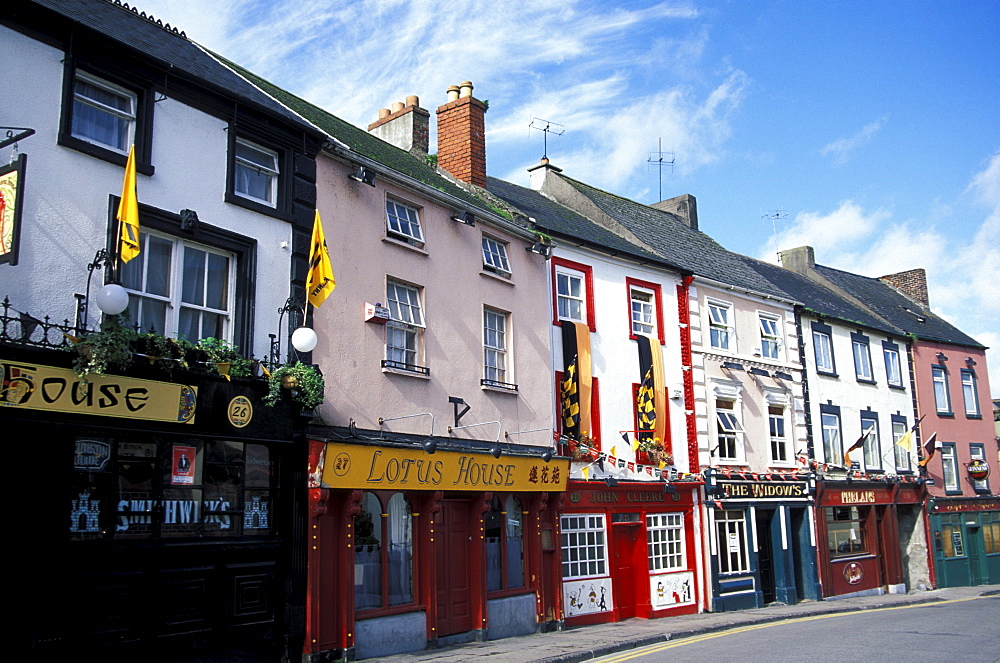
x: 256, y: 173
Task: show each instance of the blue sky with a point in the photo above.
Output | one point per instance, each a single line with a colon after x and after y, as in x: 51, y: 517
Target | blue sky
x: 873, y: 126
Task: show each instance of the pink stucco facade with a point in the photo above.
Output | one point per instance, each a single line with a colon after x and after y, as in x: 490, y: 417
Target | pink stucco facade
x: 963, y: 422
x: 447, y: 270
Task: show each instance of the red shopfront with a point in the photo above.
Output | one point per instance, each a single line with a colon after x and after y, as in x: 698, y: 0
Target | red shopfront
x: 410, y: 550
x: 628, y: 550
x: 869, y: 529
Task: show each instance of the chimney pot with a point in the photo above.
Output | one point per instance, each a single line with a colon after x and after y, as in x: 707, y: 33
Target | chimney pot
x: 383, y: 112
x: 397, y: 106
x: 453, y: 92
x: 413, y: 100
x: 466, y: 90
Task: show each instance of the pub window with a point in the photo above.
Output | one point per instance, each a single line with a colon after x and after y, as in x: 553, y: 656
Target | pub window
x: 149, y: 487
x: 665, y: 538
x: 383, y: 553
x: 952, y: 542
x: 991, y: 532
x: 731, y: 530
x: 584, y: 549
x: 504, y: 545
x: 845, y: 530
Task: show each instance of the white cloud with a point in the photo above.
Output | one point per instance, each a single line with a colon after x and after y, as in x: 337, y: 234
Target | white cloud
x: 841, y: 149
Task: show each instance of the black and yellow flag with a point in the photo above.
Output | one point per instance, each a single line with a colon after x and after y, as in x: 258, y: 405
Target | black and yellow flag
x: 576, y: 386
x: 128, y: 212
x: 651, y: 403
x: 319, y: 282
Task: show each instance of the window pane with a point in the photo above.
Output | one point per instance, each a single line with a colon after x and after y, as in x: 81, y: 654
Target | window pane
x: 400, y: 551
x: 102, y: 115
x: 217, y: 291
x: 193, y: 289
x: 158, y: 266
x: 368, y: 554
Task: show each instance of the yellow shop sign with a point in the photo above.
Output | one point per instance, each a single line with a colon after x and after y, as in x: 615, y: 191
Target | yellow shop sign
x: 379, y: 468
x: 47, y: 388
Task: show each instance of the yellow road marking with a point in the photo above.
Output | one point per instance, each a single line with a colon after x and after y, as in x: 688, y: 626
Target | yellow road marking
x: 684, y: 640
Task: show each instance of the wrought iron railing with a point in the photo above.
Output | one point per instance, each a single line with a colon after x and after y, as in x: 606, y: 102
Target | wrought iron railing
x: 22, y: 328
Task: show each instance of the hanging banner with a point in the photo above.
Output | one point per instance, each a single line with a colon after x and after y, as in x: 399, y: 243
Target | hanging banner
x: 11, y: 196
x: 380, y: 468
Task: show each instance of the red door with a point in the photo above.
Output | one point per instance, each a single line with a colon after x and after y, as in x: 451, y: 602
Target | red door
x: 626, y: 580
x: 454, y: 578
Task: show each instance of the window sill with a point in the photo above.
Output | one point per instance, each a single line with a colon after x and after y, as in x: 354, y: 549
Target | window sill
x: 371, y: 613
x: 973, y: 416
x: 950, y: 415
x: 497, y: 277
x: 866, y: 381
x: 506, y: 593
x: 953, y: 491
x: 254, y: 206
x: 496, y: 387
x: 897, y: 386
x: 409, y: 374
x: 829, y: 374
x: 404, y: 245
x: 104, y: 153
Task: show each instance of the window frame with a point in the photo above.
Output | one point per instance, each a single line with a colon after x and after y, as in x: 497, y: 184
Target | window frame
x: 654, y: 289
x: 831, y: 455
x: 950, y: 480
x: 412, y: 330
x: 259, y: 139
x: 504, y: 377
x: 819, y: 333
x: 141, y: 127
x: 728, y: 522
x: 893, y: 364
x: 595, y: 547
x: 899, y: 452
x: 242, y: 247
x: 272, y: 173
x: 778, y: 413
x: 586, y: 272
x: 977, y: 451
x: 665, y: 542
x: 872, y: 448
x: 504, y: 503
x: 856, y: 515
x: 969, y: 386
x: 765, y: 337
x: 724, y: 330
x: 861, y: 350
x: 939, y: 383
x: 500, y: 253
x: 729, y: 430
x: 384, y: 500
x: 413, y: 239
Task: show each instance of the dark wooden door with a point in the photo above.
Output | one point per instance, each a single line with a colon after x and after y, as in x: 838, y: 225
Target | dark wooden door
x: 454, y: 573
x: 765, y: 555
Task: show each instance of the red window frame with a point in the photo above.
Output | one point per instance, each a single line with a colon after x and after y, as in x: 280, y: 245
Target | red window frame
x: 588, y: 277
x: 657, y: 303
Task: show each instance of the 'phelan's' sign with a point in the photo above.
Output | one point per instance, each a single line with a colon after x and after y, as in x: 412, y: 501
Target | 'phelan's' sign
x: 37, y: 387
x: 378, y: 468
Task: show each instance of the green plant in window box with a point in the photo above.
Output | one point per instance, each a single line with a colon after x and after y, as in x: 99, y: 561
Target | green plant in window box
x: 164, y: 351
x: 108, y: 347
x: 303, y: 382
x: 224, y: 358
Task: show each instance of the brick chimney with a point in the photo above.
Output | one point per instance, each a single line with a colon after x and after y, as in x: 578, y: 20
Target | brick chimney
x: 912, y: 283
x: 684, y: 206
x: 462, y: 135
x: 407, y: 126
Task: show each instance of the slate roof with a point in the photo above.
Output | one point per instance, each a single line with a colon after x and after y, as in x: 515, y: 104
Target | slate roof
x: 692, y: 250
x: 817, y: 298
x: 898, y: 309
x: 563, y: 223
x: 366, y: 144
x: 159, y: 44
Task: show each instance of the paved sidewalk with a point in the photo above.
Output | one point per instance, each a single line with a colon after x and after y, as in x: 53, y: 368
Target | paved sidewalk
x: 588, y: 642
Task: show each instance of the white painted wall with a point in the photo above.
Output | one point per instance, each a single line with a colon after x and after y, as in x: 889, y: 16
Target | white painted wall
x: 65, y: 209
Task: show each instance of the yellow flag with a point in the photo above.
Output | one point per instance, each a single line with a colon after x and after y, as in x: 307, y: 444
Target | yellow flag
x: 128, y: 212
x: 906, y: 440
x: 320, y: 282
x: 585, y: 471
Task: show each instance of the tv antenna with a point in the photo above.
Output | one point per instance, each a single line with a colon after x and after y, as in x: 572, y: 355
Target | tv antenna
x: 775, y: 215
x: 546, y: 127
x: 659, y: 159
